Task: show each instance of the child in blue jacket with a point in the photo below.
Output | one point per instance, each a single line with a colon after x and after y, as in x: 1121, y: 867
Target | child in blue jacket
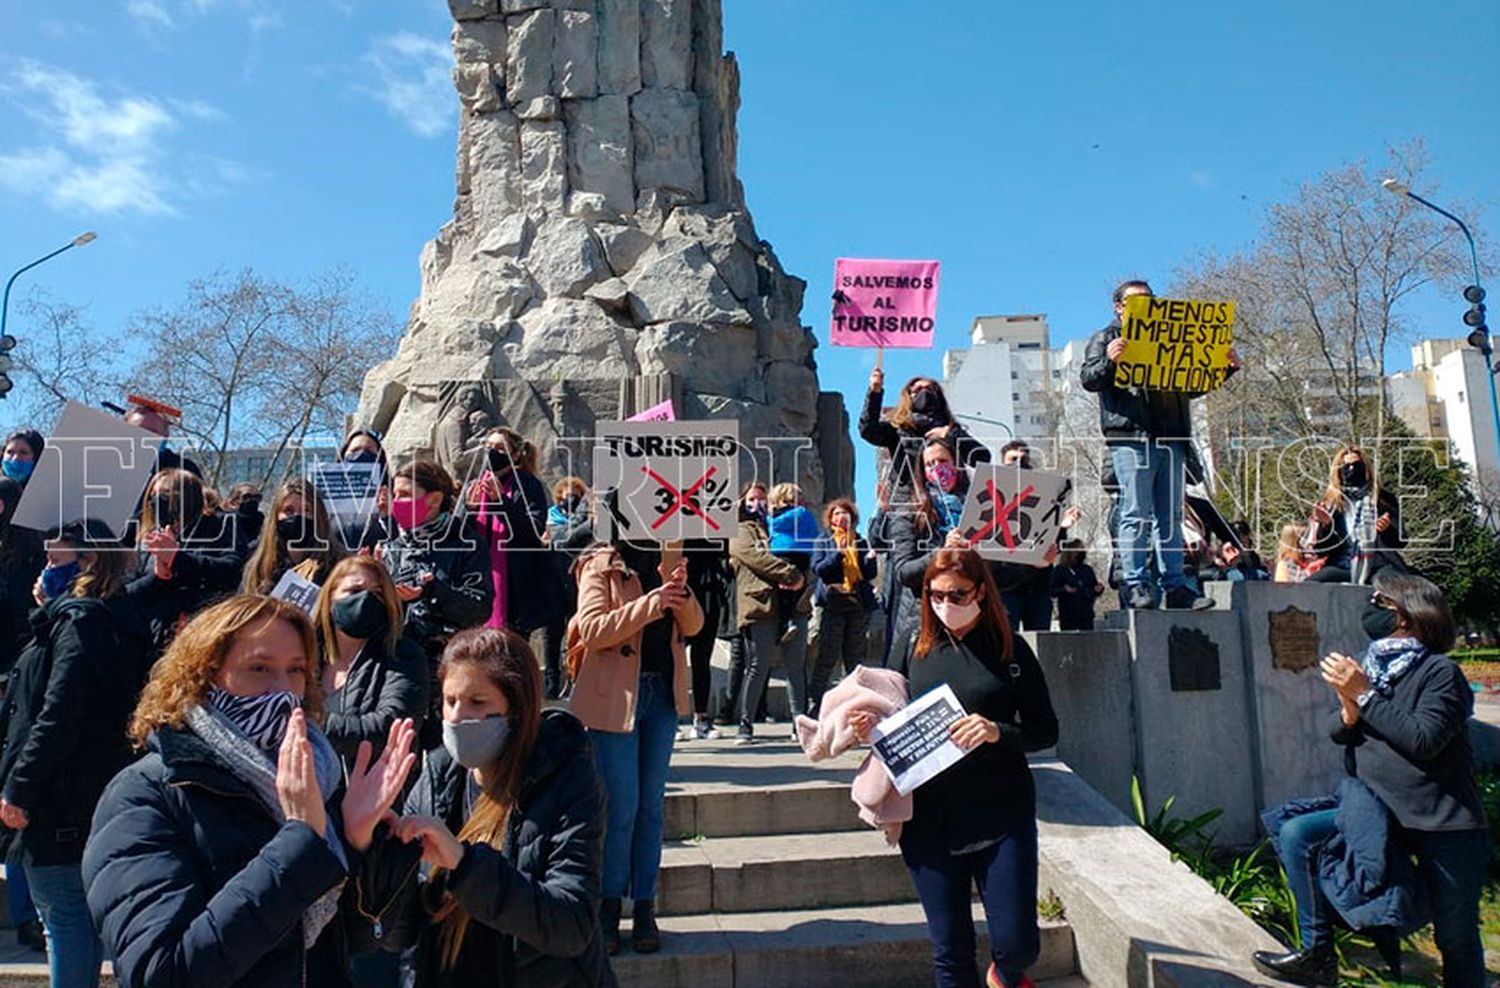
x: 794, y: 536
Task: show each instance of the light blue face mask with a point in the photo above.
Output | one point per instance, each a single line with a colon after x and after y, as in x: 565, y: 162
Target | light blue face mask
x: 474, y: 743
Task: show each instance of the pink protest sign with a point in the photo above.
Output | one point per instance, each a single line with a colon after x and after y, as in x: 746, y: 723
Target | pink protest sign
x: 656, y: 413
x: 884, y: 303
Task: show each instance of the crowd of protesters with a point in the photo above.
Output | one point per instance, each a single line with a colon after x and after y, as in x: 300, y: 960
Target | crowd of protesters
x: 201, y: 781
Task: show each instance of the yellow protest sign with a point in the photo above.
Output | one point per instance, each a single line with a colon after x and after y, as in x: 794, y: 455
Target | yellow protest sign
x: 1174, y: 344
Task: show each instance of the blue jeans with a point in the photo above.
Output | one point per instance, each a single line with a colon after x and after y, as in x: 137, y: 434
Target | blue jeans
x: 18, y: 893
x: 634, y: 768
x: 1298, y: 840
x: 1452, y: 864
x: 74, y: 952
x: 1005, y: 874
x: 1151, y: 490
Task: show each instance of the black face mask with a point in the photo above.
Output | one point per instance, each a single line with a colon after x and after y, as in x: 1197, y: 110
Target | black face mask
x: 924, y: 402
x: 1379, y: 622
x: 295, y: 530
x: 360, y: 615
x: 363, y: 456
x: 164, y: 510
x: 1353, y: 474
x: 499, y: 462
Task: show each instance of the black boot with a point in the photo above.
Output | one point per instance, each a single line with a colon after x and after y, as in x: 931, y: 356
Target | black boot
x: 609, y: 925
x: 645, y: 938
x: 1388, y: 942
x: 1317, y: 966
x: 29, y: 934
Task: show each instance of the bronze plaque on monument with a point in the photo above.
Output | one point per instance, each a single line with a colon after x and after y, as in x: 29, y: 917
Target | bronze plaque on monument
x: 1294, y: 639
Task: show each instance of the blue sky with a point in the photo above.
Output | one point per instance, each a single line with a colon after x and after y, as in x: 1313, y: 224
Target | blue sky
x: 1041, y: 151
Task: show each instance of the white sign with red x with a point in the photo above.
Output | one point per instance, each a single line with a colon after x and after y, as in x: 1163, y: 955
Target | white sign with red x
x: 1012, y: 514
x: 667, y: 481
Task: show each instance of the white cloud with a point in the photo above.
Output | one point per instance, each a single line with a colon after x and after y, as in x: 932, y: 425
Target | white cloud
x: 97, y: 153
x: 415, y: 81
x: 1203, y: 179
x: 149, y: 13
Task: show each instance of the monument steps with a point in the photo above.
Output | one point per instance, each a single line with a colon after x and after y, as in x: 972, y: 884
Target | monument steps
x: 769, y: 878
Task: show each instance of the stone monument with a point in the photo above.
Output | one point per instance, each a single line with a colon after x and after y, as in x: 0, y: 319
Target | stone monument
x: 601, y: 258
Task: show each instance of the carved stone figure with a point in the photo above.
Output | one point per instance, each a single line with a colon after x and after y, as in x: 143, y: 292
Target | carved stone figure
x: 600, y: 250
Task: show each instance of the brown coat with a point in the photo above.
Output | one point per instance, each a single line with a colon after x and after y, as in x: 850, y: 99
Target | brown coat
x: 757, y: 574
x: 612, y: 614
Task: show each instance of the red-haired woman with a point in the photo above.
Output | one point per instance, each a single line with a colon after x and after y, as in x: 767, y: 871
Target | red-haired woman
x: 975, y: 824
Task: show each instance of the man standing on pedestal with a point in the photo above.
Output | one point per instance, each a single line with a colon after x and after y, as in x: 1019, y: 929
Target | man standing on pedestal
x: 1148, y: 434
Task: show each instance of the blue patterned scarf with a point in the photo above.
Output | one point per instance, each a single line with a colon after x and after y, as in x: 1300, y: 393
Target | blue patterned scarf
x: 1388, y: 659
x: 949, y: 508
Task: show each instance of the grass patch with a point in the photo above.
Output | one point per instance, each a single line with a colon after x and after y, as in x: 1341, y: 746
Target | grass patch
x: 1256, y: 883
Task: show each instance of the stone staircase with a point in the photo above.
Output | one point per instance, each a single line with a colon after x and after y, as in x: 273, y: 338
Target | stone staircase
x: 770, y: 879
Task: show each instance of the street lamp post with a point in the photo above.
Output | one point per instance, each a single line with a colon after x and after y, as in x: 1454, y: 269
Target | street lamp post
x: 1480, y: 336
x: 78, y: 241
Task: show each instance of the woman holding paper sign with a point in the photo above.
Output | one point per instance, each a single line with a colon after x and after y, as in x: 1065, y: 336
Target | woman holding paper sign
x: 921, y: 413
x: 974, y: 825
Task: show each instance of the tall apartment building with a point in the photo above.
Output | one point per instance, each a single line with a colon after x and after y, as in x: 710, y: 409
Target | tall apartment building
x: 1446, y: 396
x: 1004, y: 384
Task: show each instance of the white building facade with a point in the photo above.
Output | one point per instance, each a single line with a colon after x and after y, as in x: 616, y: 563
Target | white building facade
x: 1005, y: 384
x: 1446, y: 396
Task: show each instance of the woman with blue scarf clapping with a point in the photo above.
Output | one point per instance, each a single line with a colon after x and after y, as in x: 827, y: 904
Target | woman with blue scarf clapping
x: 1403, y: 719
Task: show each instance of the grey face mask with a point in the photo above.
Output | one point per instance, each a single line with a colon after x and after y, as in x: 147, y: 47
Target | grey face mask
x: 473, y: 743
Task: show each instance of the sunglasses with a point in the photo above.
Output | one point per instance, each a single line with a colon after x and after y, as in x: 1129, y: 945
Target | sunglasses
x: 1381, y: 600
x: 959, y: 597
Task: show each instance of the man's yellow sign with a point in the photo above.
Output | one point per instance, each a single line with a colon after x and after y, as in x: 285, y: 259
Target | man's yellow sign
x: 1174, y: 344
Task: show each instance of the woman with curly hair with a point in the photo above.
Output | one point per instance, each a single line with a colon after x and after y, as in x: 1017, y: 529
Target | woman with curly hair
x: 222, y: 856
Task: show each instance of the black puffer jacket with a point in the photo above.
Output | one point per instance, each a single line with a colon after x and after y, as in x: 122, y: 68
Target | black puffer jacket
x: 382, y: 687
x: 1132, y: 414
x: 535, y: 905
x: 22, y: 559
x: 65, y: 714
x: 905, y: 447
x: 193, y: 884
x: 207, y: 568
x: 460, y: 593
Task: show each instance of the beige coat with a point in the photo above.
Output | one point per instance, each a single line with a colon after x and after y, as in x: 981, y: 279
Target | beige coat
x: 612, y: 614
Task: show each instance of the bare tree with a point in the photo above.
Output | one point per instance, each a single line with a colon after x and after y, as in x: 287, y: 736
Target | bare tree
x: 331, y: 337
x: 252, y: 361
x: 58, y: 357
x: 1321, y: 295
x: 210, y: 356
